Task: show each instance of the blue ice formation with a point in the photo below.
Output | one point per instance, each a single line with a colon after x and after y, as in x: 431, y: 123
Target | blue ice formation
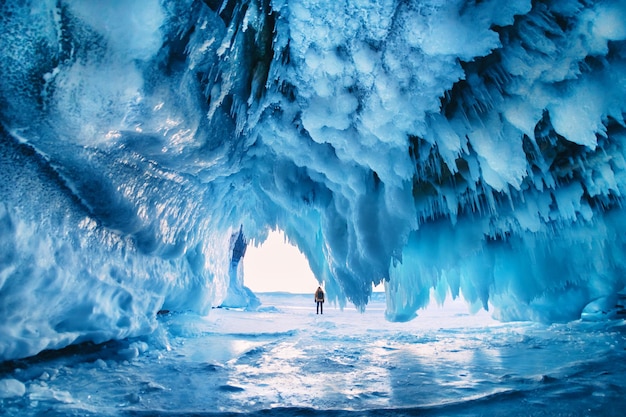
x: 238, y: 295
x: 467, y: 147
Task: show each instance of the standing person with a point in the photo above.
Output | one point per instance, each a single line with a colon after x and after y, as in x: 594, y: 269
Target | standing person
x: 319, y: 300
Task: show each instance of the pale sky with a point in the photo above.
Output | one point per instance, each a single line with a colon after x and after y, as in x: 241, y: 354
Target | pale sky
x: 277, y: 266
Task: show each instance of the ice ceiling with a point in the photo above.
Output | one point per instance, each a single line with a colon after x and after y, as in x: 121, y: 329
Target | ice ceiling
x: 467, y: 147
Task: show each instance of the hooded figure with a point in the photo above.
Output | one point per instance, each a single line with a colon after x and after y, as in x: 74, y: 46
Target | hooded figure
x: 319, y: 300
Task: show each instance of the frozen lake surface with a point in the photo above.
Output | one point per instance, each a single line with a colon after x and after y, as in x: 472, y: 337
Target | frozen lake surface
x: 285, y: 360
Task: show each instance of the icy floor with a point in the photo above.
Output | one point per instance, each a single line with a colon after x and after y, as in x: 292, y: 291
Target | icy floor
x: 286, y: 360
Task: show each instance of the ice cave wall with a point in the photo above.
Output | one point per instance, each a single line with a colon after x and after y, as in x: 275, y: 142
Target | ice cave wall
x: 471, y: 148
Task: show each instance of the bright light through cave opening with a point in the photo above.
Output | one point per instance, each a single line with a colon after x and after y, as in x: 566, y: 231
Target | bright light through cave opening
x: 277, y: 266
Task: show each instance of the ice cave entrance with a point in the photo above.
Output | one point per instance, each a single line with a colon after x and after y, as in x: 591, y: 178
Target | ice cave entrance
x: 277, y: 266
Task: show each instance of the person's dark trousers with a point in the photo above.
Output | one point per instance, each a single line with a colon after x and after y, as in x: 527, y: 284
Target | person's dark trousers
x: 320, y: 307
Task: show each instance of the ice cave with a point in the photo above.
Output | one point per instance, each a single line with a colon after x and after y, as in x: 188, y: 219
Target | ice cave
x: 450, y: 150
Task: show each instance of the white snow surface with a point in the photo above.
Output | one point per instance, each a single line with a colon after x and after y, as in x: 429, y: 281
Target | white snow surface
x: 286, y: 360
x: 439, y: 146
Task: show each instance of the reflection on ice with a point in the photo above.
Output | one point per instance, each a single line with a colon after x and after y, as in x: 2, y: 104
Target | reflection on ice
x: 286, y: 360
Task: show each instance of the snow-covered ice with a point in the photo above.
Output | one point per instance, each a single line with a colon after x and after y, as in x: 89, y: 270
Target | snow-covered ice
x: 286, y: 360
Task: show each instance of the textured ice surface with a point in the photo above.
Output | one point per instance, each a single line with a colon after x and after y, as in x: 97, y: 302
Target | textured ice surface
x: 458, y: 146
x: 285, y: 360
